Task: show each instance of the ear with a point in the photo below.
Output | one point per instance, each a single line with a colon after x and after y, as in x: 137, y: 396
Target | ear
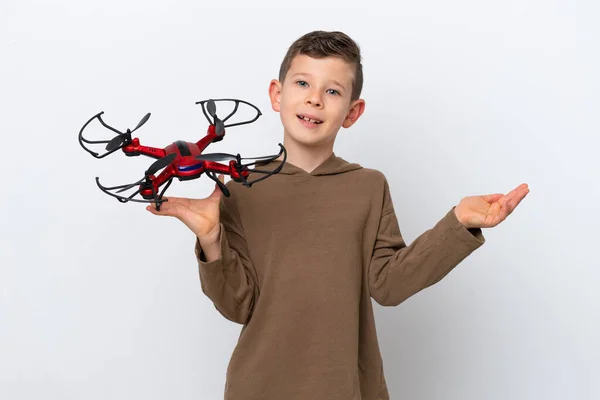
x: 357, y: 107
x: 275, y: 94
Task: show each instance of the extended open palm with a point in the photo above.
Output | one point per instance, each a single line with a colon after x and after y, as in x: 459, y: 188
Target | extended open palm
x: 200, y: 215
x: 489, y: 210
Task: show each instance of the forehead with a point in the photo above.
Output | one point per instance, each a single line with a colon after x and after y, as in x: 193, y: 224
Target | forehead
x: 327, y: 68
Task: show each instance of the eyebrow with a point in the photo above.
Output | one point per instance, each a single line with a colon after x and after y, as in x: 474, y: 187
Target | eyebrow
x: 309, y: 75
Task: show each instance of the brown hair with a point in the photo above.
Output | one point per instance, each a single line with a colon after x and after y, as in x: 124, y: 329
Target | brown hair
x: 320, y: 44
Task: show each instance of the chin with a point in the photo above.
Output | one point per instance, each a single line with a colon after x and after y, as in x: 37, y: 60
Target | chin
x: 305, y: 139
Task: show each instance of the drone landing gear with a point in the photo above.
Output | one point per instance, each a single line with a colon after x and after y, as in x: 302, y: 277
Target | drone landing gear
x: 222, y: 186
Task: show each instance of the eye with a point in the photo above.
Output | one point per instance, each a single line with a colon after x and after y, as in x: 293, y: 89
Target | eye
x: 301, y: 83
x: 333, y: 91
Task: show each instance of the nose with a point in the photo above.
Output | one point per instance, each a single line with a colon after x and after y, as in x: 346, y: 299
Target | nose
x: 313, y: 98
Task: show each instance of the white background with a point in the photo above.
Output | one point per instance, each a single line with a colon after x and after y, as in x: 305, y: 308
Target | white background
x: 101, y: 300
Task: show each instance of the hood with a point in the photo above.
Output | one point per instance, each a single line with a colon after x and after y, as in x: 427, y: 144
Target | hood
x: 331, y: 166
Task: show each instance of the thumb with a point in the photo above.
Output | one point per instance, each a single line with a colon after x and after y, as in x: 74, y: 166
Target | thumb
x: 491, y: 198
x: 217, y: 193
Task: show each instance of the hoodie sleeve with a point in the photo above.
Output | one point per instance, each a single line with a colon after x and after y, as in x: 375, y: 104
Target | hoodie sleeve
x: 229, y: 281
x: 398, y: 271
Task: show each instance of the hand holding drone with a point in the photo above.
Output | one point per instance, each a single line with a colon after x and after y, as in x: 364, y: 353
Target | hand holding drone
x: 180, y: 159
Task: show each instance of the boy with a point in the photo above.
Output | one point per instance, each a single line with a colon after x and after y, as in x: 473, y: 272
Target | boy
x: 297, y: 258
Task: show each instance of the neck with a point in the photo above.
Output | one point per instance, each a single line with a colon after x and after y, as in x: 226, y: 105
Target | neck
x: 305, y: 157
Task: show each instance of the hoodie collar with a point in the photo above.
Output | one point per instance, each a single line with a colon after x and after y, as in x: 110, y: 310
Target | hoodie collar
x: 331, y: 166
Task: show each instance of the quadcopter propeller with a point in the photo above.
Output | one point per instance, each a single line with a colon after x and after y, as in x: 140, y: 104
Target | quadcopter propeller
x: 153, y: 169
x: 212, y: 110
x: 230, y: 157
x: 220, y: 123
x: 217, y: 157
x: 123, y: 138
x: 160, y: 164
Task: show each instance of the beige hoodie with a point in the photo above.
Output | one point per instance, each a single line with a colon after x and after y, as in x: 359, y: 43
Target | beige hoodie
x: 302, y: 254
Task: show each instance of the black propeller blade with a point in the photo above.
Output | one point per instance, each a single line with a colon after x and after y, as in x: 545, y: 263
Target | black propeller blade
x: 142, y: 122
x: 228, y: 157
x: 153, y: 169
x: 160, y: 164
x: 219, y: 127
x: 216, y: 157
x: 212, y: 110
x: 120, y: 139
x: 116, y: 142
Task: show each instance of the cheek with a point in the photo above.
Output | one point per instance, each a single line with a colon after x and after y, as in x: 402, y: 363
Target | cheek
x: 341, y: 116
x: 287, y: 106
x: 283, y: 107
x: 286, y: 112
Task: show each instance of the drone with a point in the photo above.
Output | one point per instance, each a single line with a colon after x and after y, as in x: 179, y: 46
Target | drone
x: 180, y: 159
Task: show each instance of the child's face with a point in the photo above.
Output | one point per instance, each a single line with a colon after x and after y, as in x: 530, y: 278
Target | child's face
x: 315, y: 89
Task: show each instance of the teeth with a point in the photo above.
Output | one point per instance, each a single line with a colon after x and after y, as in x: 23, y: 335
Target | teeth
x: 314, y: 121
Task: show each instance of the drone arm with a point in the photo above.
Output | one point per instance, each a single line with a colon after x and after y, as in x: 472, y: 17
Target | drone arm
x: 210, y: 137
x: 212, y: 168
x: 135, y: 149
x: 218, y: 168
x: 167, y: 174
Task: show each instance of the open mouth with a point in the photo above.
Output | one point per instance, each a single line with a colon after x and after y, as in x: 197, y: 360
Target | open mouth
x: 313, y: 121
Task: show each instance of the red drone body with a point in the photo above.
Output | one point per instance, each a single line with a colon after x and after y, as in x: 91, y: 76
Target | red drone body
x: 181, y: 159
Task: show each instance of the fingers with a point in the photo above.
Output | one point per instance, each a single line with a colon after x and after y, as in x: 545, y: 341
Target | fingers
x: 518, y: 194
x: 164, y: 211
x: 517, y: 198
x: 152, y: 210
x: 520, y: 191
x: 513, y: 199
x: 167, y: 208
x: 501, y: 206
x: 491, y: 198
